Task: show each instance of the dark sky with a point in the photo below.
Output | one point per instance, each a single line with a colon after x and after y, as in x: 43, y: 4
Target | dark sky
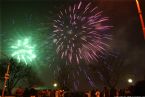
x: 127, y: 32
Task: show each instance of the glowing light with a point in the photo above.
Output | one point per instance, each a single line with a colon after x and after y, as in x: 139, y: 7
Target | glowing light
x: 23, y: 51
x: 141, y: 17
x: 130, y: 80
x: 55, y: 84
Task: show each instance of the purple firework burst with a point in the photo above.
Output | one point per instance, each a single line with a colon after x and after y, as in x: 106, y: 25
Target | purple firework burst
x: 80, y: 33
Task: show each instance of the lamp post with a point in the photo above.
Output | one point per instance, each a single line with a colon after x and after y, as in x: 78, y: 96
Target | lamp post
x: 141, y: 17
x: 6, y: 77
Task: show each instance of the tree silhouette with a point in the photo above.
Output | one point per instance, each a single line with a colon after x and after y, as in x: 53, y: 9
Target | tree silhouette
x: 18, y: 72
x: 110, y: 69
x: 64, y: 82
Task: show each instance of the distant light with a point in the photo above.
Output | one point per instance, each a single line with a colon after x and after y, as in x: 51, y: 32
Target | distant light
x: 130, y: 80
x: 55, y: 84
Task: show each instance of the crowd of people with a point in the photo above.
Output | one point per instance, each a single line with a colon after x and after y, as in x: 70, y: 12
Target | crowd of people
x: 137, y: 90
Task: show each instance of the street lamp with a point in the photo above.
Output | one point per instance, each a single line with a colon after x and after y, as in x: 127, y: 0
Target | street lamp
x: 130, y: 81
x: 55, y: 84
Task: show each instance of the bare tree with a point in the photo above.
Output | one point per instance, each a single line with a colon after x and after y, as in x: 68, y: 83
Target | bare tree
x: 109, y: 70
x: 32, y: 79
x: 63, y: 80
x: 18, y: 72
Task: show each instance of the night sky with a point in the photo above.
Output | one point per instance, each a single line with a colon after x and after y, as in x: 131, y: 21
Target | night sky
x: 34, y: 17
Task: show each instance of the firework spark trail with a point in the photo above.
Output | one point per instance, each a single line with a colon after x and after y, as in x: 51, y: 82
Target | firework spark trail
x: 23, y: 51
x: 69, y: 76
x: 80, y: 33
x: 72, y: 75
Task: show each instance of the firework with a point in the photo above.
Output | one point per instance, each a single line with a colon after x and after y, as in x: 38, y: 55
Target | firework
x: 71, y: 76
x: 80, y: 33
x: 23, y: 51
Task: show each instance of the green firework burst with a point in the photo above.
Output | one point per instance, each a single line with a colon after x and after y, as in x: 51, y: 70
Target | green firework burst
x: 23, y: 51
